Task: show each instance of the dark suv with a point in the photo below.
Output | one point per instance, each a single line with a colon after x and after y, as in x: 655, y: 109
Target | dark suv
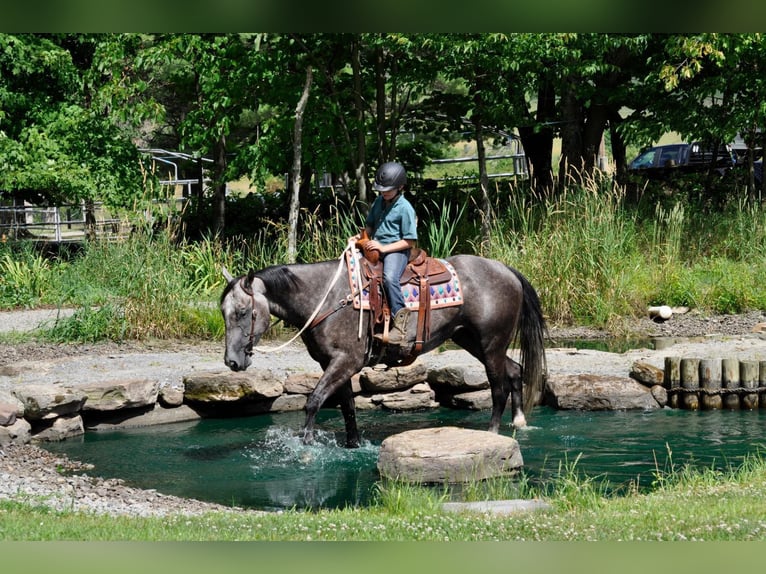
x: 659, y: 162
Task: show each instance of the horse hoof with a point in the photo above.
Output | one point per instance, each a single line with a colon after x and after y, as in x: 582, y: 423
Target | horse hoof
x: 519, y: 421
x: 306, y: 458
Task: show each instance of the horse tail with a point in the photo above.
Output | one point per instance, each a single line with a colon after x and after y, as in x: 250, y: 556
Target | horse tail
x: 531, y: 337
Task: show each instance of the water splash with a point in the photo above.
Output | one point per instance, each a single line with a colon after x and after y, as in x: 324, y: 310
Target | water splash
x: 307, y: 475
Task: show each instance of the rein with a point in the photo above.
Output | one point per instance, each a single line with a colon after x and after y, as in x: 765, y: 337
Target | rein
x: 309, y: 323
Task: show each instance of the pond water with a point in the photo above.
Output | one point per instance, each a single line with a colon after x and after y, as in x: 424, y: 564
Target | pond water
x: 260, y: 462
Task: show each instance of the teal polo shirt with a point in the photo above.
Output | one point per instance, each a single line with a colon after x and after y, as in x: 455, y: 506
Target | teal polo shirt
x: 392, y: 223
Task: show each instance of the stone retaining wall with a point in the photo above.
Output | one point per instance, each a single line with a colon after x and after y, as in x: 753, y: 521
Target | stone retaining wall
x: 59, y: 410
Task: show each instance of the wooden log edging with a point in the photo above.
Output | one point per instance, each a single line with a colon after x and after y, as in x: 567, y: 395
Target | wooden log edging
x: 713, y: 384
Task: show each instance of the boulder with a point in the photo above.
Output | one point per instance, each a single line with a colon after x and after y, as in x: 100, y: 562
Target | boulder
x: 459, y: 378
x: 121, y: 394
x: 417, y: 397
x: 660, y: 395
x: 384, y: 380
x: 597, y: 392
x: 19, y: 432
x: 43, y: 402
x: 287, y: 403
x: 647, y: 374
x: 7, y: 414
x: 155, y: 415
x: 62, y: 428
x: 448, y: 454
x: 11, y: 401
x: 473, y: 401
x: 302, y: 383
x: 228, y: 386
x: 171, y: 396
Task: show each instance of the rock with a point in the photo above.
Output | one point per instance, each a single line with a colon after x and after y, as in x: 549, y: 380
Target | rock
x: 416, y: 398
x: 448, y: 454
x: 121, y: 394
x: 597, y: 392
x: 286, y: 403
x: 170, y: 397
x: 660, y: 395
x: 7, y: 414
x: 302, y: 383
x: 383, y: 380
x: 62, y: 428
x: 365, y: 403
x: 474, y: 401
x: 458, y: 378
x: 43, y: 402
x: 12, y: 401
x: 228, y: 386
x: 156, y: 415
x: 19, y: 432
x: 646, y: 373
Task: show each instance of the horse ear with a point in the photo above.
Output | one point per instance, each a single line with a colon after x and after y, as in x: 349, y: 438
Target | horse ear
x: 250, y: 276
x: 227, y: 275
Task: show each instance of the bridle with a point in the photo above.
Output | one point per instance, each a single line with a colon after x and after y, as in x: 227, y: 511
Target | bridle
x: 251, y: 339
x: 310, y: 323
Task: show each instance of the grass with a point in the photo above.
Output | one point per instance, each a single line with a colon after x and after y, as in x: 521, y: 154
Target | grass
x: 685, y: 504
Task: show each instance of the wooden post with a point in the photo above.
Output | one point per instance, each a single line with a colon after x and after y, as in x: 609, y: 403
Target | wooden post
x: 690, y: 382
x: 672, y: 380
x: 748, y: 380
x: 731, y: 382
x: 710, y: 381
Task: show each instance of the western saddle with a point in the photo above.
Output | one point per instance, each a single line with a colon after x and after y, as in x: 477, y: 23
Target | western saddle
x: 422, y: 272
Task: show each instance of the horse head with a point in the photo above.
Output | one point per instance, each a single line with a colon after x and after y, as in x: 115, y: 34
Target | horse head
x: 246, y: 317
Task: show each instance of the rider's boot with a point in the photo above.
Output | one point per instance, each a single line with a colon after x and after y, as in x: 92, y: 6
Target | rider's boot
x: 398, y: 334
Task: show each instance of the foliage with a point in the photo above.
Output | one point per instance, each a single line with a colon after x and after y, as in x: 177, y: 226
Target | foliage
x: 24, y: 275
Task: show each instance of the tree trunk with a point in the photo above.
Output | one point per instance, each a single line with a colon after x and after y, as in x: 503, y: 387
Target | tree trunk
x: 593, y: 134
x: 90, y: 220
x: 292, y: 220
x: 360, y: 169
x: 570, y: 164
x: 219, y: 186
x: 380, y: 104
x: 486, y: 205
x: 538, y: 141
x: 619, y: 150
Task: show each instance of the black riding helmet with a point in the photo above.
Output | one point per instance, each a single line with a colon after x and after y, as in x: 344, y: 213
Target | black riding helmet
x: 390, y: 175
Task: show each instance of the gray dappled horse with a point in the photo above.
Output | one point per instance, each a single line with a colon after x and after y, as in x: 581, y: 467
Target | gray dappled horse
x: 499, y: 306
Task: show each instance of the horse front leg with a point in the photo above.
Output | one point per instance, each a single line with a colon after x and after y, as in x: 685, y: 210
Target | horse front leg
x: 333, y: 380
x: 348, y: 408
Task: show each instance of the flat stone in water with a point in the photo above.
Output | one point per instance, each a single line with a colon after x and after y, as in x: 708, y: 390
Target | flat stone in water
x: 448, y: 454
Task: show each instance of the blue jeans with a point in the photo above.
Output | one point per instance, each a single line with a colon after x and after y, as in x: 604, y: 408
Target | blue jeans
x: 393, y: 267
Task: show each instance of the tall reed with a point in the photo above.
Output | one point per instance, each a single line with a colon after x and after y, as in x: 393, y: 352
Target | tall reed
x: 577, y: 248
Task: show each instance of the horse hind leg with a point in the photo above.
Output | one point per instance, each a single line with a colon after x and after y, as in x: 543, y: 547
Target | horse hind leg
x: 513, y: 372
x: 504, y: 383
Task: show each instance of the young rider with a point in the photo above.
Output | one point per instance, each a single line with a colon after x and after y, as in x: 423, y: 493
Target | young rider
x: 392, y: 226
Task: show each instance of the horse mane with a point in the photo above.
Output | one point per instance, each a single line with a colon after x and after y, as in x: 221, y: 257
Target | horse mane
x: 279, y: 279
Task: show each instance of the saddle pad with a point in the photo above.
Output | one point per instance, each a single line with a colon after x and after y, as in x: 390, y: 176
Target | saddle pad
x: 447, y: 294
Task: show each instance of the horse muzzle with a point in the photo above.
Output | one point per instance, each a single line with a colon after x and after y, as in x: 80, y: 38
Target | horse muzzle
x: 238, y: 365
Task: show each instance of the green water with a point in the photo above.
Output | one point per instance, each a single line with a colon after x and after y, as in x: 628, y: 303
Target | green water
x: 260, y: 462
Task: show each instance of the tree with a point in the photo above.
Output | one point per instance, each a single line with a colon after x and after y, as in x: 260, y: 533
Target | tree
x: 57, y: 144
x: 209, y: 74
